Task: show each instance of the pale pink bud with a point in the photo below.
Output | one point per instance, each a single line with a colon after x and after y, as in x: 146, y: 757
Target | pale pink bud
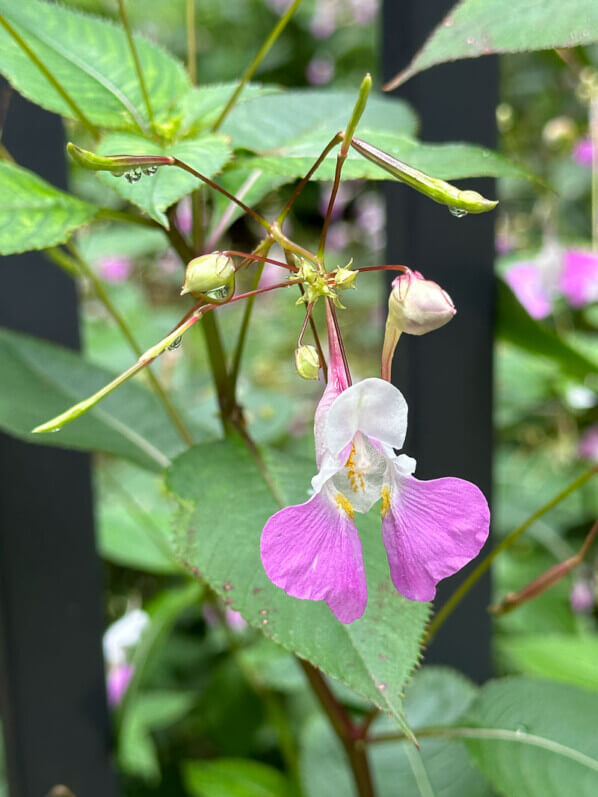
x: 417, y: 305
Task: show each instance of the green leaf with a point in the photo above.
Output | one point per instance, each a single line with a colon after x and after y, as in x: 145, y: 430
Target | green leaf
x: 271, y: 122
x: 444, y: 161
x: 156, y: 193
x: 481, y: 27
x: 201, y: 106
x: 234, y: 777
x: 34, y: 214
x: 561, y: 657
x: 225, y: 503
x: 437, y: 696
x: 153, y: 711
x: 517, y: 326
x: 133, y: 519
x: 535, y: 738
x: 91, y: 59
x: 40, y: 379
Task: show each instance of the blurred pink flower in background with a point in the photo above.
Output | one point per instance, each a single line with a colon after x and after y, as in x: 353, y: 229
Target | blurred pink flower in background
x: 115, y: 268
x: 579, y: 277
x: 320, y: 71
x: 233, y: 619
x: 582, y: 152
x: 588, y: 444
x: 364, y: 11
x: 323, y: 23
x: 571, y: 273
x: 525, y: 280
x: 184, y: 215
x: 117, y: 683
x: 581, y: 597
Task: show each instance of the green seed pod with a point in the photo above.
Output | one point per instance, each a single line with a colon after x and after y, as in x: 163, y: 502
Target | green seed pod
x: 459, y: 202
x: 210, y: 277
x: 117, y: 164
x: 307, y: 362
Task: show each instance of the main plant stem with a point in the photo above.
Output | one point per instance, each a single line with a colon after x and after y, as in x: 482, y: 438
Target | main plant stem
x: 349, y: 735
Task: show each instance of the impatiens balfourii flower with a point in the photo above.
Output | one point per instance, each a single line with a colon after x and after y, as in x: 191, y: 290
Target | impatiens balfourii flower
x: 430, y: 529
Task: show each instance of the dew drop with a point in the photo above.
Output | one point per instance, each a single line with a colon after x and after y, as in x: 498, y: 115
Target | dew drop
x: 149, y: 170
x: 521, y: 728
x: 133, y: 176
x: 175, y: 345
x: 118, y: 172
x: 58, y: 428
x: 458, y: 213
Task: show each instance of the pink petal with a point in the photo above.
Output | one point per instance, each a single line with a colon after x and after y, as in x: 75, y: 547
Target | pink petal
x: 579, y: 278
x: 431, y: 530
x: 525, y: 279
x: 312, y: 551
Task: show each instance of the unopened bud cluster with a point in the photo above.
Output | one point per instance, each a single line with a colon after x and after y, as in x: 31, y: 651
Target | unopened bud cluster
x: 318, y: 283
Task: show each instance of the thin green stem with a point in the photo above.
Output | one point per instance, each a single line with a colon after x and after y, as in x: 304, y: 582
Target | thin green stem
x: 185, y: 166
x: 156, y: 385
x: 261, y: 249
x: 129, y: 218
x: 136, y: 61
x: 347, y: 137
x: 262, y: 53
x: 191, y: 42
x: 507, y: 542
x: 492, y: 734
x: 87, y: 123
x: 344, y: 729
x: 78, y: 266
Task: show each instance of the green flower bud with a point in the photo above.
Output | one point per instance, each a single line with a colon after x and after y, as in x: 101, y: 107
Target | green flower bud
x: 210, y: 277
x: 307, y: 362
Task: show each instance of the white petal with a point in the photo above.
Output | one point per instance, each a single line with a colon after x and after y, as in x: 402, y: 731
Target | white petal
x: 374, y: 407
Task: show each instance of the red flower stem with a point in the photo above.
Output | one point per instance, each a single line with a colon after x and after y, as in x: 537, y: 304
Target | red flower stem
x: 185, y: 166
x: 546, y: 580
x: 340, y: 160
x: 248, y: 256
x: 310, y: 307
x: 334, y: 141
x: 383, y: 268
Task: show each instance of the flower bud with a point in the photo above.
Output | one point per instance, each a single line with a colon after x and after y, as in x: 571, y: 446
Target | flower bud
x: 210, y: 276
x: 417, y: 305
x: 307, y: 362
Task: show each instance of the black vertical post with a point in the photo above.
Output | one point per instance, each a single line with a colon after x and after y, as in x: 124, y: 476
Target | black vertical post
x: 52, y: 694
x: 447, y: 375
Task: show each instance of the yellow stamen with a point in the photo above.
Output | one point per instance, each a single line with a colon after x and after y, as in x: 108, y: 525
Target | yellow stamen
x: 356, y: 479
x: 385, y: 501
x: 345, y: 505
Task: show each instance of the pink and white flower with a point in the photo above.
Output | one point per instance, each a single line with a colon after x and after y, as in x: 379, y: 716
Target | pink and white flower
x: 430, y: 529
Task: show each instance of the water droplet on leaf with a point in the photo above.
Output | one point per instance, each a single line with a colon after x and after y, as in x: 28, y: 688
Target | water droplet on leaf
x: 174, y: 345
x: 149, y: 170
x: 458, y: 213
x: 133, y: 176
